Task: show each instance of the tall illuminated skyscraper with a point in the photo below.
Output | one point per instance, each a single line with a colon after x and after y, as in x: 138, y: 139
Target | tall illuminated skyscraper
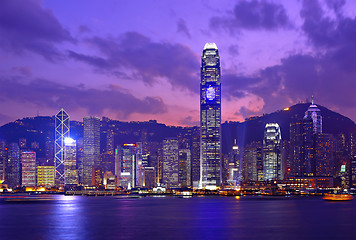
x: 61, y: 132
x: 91, y: 147
x: 170, y: 171
x: 70, y: 162
x: 210, y: 118
x: 313, y: 113
x: 272, y: 159
x: 126, y: 166
x: 13, y: 168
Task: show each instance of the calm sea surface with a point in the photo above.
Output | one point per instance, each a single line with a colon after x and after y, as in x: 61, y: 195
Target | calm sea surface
x: 80, y: 217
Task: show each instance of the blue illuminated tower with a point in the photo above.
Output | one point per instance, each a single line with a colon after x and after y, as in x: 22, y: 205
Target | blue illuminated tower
x: 210, y: 118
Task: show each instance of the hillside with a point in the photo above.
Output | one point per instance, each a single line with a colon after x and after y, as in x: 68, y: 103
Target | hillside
x: 253, y: 129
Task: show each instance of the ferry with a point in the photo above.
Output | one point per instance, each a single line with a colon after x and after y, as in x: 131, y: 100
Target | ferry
x: 184, y: 194
x: 337, y: 197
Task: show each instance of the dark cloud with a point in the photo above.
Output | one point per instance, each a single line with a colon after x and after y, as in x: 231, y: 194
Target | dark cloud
x: 188, y: 121
x: 335, y: 5
x: 44, y: 93
x: 324, y: 31
x: 23, y: 70
x: 149, y: 60
x: 234, y: 50
x: 27, y: 26
x: 328, y: 74
x: 297, y: 78
x: 253, y: 15
x: 182, y: 28
x: 84, y: 29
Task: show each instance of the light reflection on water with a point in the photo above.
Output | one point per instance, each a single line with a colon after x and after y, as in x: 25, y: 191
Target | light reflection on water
x: 80, y: 217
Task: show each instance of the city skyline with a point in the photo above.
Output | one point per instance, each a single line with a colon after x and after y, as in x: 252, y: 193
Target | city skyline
x: 105, y: 62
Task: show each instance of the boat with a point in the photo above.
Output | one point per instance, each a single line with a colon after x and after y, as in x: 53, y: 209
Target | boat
x: 184, y: 194
x: 337, y: 197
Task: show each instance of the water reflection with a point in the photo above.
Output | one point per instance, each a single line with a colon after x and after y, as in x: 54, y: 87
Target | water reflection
x: 80, y: 217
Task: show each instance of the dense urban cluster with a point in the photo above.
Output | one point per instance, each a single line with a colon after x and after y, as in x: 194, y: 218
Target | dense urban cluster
x: 95, y: 157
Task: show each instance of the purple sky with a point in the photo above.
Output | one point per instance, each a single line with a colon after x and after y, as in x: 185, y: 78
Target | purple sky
x: 140, y: 60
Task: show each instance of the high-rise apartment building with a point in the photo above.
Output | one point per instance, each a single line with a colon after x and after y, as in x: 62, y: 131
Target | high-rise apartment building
x: 28, y: 162
x: 91, y: 147
x: 272, y: 159
x: 62, y: 129
x: 210, y: 118
x: 170, y: 171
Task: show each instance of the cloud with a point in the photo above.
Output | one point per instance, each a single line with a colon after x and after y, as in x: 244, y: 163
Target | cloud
x: 29, y: 27
x: 5, y: 118
x: 253, y: 15
x: 297, y: 78
x: 329, y: 73
x: 44, y: 93
x: 189, y: 121
x: 182, y: 28
x: 149, y: 60
x: 325, y: 32
x: 23, y: 70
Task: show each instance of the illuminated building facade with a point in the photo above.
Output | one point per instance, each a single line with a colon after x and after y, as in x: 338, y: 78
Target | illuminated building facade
x: 126, y: 166
x: 185, y: 177
x: 149, y: 178
x: 272, y: 160
x: 252, y: 162
x: 45, y: 176
x: 314, y: 114
x: 195, y: 156
x: 13, y: 168
x: 2, y: 161
x: 324, y: 154
x: 91, y: 147
x: 138, y: 164
x: 62, y: 128
x: 235, y: 166
x: 210, y: 118
x: 28, y: 162
x: 70, y: 162
x: 170, y: 171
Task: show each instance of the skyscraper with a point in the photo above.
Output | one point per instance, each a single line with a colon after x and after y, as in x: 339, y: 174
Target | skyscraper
x: 272, y: 160
x: 185, y: 176
x: 13, y: 168
x: 70, y: 162
x: 170, y: 162
x: 28, y: 161
x: 61, y: 132
x: 252, y: 162
x: 314, y: 114
x: 126, y: 166
x: 210, y: 118
x: 45, y: 176
x: 91, y: 147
